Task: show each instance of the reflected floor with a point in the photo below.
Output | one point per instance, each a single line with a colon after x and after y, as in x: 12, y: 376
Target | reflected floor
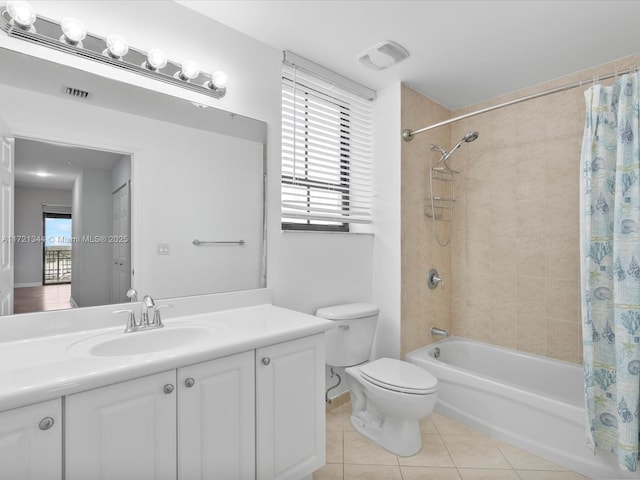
x: 43, y: 298
x: 451, y: 451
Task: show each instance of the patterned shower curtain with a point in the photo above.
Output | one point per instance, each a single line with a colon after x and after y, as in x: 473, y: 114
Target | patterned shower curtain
x: 610, y: 267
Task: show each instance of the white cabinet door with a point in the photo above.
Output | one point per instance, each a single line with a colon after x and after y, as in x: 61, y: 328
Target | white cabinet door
x: 31, y: 442
x: 216, y: 419
x: 124, y: 431
x: 290, y: 409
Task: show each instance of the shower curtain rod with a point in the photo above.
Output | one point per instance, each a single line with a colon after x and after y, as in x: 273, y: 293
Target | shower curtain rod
x: 408, y: 134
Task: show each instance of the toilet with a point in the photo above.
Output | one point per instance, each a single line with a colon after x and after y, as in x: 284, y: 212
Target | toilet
x: 388, y: 396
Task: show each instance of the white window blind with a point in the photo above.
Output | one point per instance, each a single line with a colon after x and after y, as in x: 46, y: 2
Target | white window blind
x: 327, y: 138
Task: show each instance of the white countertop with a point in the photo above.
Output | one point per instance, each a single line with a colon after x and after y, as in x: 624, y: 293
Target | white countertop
x: 41, y: 368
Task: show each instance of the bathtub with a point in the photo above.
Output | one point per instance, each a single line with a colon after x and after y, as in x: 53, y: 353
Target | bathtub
x: 529, y: 401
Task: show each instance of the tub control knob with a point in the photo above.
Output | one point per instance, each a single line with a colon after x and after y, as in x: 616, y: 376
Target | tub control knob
x: 433, y: 279
x: 266, y: 361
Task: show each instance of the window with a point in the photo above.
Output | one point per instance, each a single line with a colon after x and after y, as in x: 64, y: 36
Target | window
x: 56, y: 265
x: 326, y: 155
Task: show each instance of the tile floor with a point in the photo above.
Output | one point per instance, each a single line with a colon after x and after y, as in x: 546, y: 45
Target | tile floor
x: 450, y: 451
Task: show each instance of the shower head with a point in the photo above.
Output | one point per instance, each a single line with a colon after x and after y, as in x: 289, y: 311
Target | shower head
x: 471, y: 136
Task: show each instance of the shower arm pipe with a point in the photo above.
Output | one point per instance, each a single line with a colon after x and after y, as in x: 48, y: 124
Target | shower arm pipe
x: 408, y: 134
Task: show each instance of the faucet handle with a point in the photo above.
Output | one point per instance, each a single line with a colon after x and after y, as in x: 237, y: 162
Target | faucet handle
x: 132, y: 326
x: 132, y: 294
x: 157, y: 321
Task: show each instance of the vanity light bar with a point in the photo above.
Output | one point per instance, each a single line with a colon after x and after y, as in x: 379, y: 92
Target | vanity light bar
x: 46, y: 32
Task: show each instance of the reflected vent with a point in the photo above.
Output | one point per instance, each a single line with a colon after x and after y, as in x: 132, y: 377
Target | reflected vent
x: 76, y: 92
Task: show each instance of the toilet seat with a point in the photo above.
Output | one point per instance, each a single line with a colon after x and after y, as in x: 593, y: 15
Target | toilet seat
x: 399, y: 376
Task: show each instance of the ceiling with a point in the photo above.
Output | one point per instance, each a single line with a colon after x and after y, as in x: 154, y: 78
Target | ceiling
x: 461, y: 52
x: 61, y: 163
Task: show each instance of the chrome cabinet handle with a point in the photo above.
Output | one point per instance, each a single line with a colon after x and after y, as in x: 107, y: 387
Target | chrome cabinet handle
x: 189, y: 382
x: 46, y: 423
x: 266, y: 361
x: 168, y: 388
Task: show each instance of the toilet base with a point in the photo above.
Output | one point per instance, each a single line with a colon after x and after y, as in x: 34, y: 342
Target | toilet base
x: 388, y: 417
x: 401, y: 437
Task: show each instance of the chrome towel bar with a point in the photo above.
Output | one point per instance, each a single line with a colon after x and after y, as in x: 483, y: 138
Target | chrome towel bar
x: 197, y: 242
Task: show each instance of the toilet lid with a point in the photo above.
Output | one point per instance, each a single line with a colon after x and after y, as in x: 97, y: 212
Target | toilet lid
x: 399, y: 376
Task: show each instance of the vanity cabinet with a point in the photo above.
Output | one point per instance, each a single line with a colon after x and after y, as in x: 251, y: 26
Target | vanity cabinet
x: 123, y: 431
x: 259, y: 412
x: 290, y: 409
x: 31, y: 442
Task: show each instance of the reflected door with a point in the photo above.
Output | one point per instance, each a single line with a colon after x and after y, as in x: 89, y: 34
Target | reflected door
x: 121, y: 245
x: 6, y: 226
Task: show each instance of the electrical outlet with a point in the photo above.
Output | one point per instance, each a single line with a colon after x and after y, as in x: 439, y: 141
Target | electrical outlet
x: 162, y: 249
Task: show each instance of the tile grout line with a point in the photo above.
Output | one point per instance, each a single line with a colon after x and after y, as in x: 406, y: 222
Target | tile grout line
x: 448, y: 452
x: 506, y: 459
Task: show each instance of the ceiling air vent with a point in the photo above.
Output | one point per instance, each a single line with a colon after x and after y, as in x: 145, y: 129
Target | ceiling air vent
x: 383, y: 55
x: 76, y: 92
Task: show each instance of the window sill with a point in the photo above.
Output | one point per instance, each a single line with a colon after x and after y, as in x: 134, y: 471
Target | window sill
x: 324, y: 232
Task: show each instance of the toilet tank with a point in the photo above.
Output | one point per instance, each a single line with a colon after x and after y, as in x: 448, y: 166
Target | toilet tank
x: 349, y: 343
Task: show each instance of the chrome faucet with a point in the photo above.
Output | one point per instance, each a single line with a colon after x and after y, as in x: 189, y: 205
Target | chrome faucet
x: 147, y: 321
x: 154, y: 321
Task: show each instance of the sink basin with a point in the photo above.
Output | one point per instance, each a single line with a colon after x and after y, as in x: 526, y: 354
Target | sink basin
x: 141, y: 342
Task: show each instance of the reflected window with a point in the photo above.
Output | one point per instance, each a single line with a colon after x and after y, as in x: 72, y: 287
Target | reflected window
x: 56, y: 267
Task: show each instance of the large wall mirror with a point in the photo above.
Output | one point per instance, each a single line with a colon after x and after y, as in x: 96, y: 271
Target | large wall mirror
x: 111, y: 185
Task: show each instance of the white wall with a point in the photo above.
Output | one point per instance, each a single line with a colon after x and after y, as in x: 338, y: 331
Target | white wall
x: 320, y: 269
x: 91, y: 260
x: 387, y: 247
x: 28, y: 221
x: 304, y: 270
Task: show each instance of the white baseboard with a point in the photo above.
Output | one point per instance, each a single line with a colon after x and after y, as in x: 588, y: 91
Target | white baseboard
x: 23, y: 285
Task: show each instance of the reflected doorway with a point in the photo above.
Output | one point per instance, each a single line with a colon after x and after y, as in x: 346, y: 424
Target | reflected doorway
x: 64, y: 225
x: 56, y: 264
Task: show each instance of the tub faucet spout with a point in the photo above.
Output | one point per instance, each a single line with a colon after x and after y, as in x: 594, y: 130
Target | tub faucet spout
x: 439, y: 332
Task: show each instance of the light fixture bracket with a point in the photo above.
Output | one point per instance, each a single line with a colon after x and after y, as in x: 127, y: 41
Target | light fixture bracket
x: 47, y: 33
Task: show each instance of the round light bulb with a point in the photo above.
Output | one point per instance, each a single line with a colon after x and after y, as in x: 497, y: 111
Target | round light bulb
x: 22, y: 14
x: 74, y: 31
x: 156, y: 59
x: 219, y: 80
x: 189, y: 70
x: 117, y: 46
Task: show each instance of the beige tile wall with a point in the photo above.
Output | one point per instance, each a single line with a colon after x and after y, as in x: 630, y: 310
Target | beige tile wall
x: 421, y: 307
x: 513, y: 277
